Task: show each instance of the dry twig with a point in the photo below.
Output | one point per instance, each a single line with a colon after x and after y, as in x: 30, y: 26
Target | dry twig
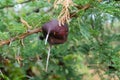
x: 26, y: 24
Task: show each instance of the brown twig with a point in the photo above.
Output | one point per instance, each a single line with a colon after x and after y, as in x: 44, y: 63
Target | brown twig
x: 22, y: 36
x: 85, y: 7
x: 12, y: 5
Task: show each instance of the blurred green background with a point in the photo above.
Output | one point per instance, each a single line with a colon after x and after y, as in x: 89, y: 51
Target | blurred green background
x: 92, y: 51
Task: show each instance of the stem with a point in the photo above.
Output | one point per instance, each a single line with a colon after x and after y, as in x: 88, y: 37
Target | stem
x: 48, y: 57
x: 22, y: 36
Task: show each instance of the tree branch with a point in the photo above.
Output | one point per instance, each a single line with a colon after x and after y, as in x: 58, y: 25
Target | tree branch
x: 12, y: 5
x: 22, y: 36
x: 85, y: 7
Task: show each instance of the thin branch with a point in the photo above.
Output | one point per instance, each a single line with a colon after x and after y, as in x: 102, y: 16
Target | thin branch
x: 22, y: 36
x: 12, y: 5
x: 85, y: 7
x: 26, y: 24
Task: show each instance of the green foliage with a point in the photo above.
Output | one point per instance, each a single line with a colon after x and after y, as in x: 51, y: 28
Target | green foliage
x: 93, y: 42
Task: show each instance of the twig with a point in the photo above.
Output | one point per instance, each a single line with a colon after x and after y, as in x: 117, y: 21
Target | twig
x: 22, y: 36
x: 85, y: 7
x: 25, y: 23
x: 12, y: 5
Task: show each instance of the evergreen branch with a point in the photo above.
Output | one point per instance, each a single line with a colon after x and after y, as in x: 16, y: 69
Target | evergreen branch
x: 22, y: 36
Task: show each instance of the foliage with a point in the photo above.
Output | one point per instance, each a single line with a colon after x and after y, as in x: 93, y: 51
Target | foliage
x: 92, y: 48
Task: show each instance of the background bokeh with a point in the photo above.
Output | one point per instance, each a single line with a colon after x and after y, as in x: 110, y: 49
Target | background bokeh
x: 92, y: 51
